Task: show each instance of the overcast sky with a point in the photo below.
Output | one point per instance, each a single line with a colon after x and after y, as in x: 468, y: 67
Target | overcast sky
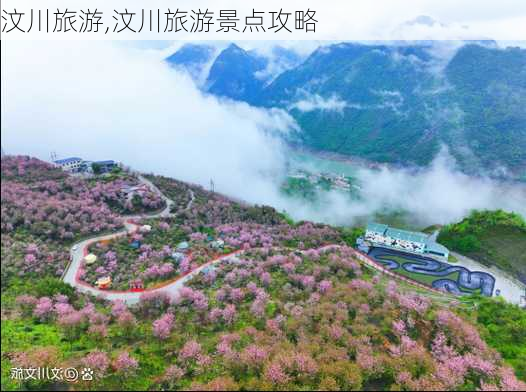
x: 337, y: 20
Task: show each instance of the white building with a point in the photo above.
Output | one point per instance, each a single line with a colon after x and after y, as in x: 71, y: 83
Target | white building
x: 408, y: 241
x: 218, y: 244
x: 145, y: 228
x: 72, y: 164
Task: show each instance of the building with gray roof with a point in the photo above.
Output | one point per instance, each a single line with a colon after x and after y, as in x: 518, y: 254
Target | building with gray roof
x: 381, y: 235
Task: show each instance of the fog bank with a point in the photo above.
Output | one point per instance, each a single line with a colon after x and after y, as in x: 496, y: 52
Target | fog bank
x: 97, y: 100
x: 437, y: 194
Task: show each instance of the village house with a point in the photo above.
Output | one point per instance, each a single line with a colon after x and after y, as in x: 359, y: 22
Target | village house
x: 79, y: 165
x: 72, y: 165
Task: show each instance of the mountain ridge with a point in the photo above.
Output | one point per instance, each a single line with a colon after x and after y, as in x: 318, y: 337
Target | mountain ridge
x: 395, y: 103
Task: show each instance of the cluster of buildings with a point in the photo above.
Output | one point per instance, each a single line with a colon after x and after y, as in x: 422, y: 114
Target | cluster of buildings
x: 79, y: 165
x: 381, y: 235
x: 335, y: 181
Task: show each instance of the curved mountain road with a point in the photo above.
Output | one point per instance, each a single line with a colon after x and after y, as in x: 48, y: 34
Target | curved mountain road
x: 77, y: 252
x: 71, y: 275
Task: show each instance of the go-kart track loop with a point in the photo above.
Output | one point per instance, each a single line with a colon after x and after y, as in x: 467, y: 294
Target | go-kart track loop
x: 466, y: 282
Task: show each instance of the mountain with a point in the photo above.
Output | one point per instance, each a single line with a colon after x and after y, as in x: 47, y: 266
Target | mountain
x: 397, y: 107
x: 233, y: 74
x: 490, y: 90
x: 191, y: 55
x: 192, y: 58
x: 378, y: 110
x: 395, y: 103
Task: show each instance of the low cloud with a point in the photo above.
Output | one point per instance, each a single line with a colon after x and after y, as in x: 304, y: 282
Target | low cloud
x: 393, y: 100
x: 437, y: 194
x: 312, y: 102
x: 101, y: 101
x: 426, y: 27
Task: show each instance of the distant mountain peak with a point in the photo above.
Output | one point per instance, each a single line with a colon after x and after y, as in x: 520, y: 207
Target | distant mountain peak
x: 194, y: 58
x: 234, y: 47
x: 443, y: 90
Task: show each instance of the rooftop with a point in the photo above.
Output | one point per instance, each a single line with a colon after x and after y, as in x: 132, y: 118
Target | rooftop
x: 377, y: 227
x: 407, y: 235
x: 436, y: 247
x: 67, y: 160
x: 183, y: 245
x: 397, y: 233
x: 108, y: 162
x: 90, y: 259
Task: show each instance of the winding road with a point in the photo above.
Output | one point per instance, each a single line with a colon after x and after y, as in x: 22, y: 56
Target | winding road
x: 173, y: 287
x: 467, y: 279
x: 77, y: 253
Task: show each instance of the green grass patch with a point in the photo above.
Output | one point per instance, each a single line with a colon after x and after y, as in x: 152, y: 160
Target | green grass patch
x: 494, y: 238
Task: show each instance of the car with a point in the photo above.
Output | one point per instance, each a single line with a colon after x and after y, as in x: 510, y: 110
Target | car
x: 75, y: 247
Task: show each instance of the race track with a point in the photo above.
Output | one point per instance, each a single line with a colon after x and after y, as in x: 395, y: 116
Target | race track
x: 467, y: 280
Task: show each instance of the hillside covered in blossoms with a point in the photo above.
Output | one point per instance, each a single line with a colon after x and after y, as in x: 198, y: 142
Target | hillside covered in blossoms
x: 266, y: 304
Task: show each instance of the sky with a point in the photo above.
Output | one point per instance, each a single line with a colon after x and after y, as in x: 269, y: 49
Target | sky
x: 337, y: 20
x: 102, y: 100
